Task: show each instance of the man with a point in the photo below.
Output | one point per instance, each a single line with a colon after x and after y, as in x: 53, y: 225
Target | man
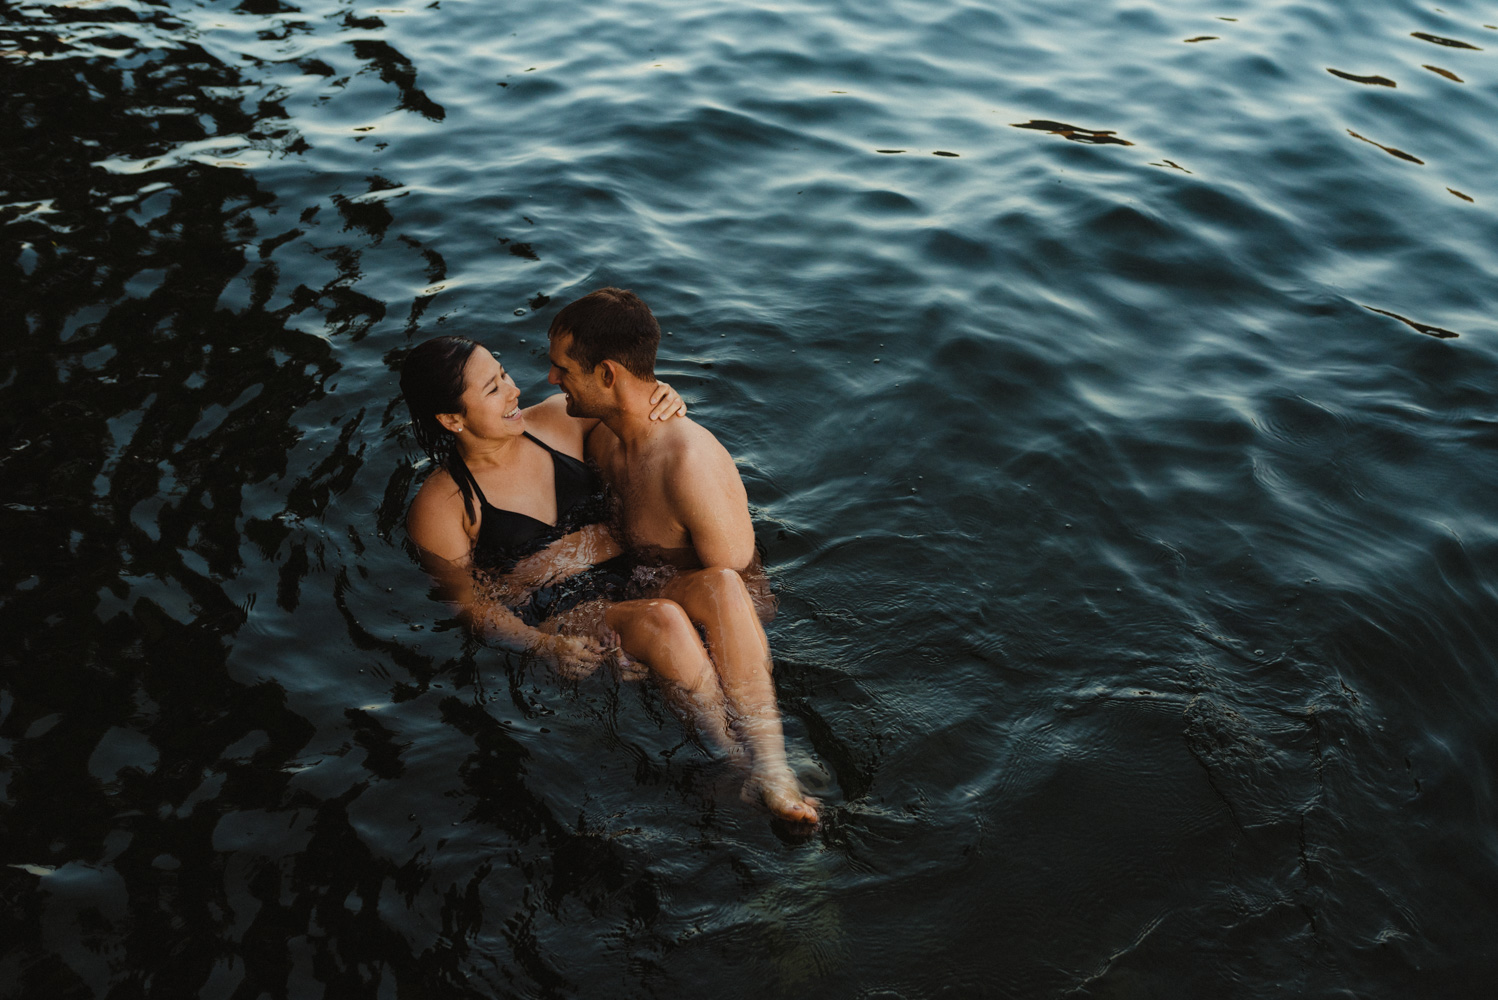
x: 684, y: 504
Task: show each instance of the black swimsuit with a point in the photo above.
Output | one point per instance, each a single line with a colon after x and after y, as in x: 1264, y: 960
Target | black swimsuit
x: 507, y: 536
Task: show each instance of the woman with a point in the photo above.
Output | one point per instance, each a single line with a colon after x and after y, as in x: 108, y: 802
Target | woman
x: 511, y: 522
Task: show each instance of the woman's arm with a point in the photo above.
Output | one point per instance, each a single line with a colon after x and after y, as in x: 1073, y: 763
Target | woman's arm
x: 490, y: 619
x: 567, y: 556
x: 553, y: 409
x: 436, y: 524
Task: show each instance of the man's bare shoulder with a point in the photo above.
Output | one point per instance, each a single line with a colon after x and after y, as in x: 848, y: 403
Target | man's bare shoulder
x: 703, y: 491
x: 687, y: 445
x: 698, y: 470
x: 601, y: 445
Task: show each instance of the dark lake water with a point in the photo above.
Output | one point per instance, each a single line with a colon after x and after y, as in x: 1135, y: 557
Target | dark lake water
x: 1116, y: 388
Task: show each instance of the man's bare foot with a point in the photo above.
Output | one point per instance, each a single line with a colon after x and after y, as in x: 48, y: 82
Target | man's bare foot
x: 782, y: 795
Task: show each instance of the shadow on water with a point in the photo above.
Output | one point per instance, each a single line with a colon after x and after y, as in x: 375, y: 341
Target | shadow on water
x: 155, y: 840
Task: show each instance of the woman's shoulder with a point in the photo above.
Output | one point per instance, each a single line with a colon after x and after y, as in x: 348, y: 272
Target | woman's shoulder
x: 438, y: 488
x: 549, y: 421
x: 551, y: 410
x: 438, y: 519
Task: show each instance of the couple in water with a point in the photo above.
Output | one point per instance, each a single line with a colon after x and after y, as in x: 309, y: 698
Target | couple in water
x: 516, y: 526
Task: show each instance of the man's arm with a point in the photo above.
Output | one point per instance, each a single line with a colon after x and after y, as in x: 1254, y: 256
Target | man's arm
x: 709, y: 499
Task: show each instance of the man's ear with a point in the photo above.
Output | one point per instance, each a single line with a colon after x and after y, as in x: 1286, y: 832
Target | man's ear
x: 609, y: 374
x: 451, y: 421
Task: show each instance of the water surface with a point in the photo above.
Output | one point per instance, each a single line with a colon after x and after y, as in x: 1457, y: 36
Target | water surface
x: 1114, y: 384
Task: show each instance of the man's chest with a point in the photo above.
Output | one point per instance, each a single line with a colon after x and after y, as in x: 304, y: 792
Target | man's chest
x: 645, y: 513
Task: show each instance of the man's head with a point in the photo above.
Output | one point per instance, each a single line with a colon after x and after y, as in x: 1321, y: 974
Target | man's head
x: 613, y: 324
x: 602, y: 337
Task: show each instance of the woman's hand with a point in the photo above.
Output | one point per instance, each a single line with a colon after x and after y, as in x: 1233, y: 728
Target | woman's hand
x: 572, y: 656
x: 667, y: 402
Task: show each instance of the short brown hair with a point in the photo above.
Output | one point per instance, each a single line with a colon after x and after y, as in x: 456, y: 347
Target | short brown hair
x: 611, y: 324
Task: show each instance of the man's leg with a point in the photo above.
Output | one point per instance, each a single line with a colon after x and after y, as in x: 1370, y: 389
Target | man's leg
x: 717, y: 600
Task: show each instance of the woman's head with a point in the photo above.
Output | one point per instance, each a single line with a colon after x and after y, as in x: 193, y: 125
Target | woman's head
x: 432, y: 380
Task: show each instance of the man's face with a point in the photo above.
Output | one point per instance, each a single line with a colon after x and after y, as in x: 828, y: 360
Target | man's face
x: 582, y: 388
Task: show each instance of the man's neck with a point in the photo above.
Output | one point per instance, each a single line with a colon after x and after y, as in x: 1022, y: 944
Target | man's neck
x: 630, y: 421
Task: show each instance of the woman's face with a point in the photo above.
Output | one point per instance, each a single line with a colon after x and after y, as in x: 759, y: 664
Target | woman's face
x: 491, y: 403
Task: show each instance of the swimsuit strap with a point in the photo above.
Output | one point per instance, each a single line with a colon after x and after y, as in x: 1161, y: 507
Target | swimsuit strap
x: 484, y: 501
x: 549, y: 448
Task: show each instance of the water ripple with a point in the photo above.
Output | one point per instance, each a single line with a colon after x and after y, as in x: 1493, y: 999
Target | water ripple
x: 1127, y: 485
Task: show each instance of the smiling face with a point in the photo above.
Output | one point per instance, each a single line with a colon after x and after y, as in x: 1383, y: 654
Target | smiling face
x: 583, y: 390
x: 491, y: 403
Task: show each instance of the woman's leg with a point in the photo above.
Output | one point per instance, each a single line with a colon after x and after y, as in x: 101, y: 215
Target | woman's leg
x: 718, y: 600
x: 658, y: 633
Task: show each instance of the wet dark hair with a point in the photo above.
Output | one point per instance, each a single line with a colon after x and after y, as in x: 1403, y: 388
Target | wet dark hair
x: 611, y: 324
x: 432, y: 380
